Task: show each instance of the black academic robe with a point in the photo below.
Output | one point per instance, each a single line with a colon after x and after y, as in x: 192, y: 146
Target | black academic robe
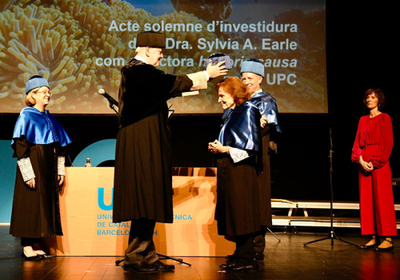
x: 239, y: 195
x: 36, y: 212
x: 268, y: 107
x: 143, y: 162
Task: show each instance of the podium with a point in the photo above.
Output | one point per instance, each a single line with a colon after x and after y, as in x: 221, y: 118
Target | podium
x: 86, y: 217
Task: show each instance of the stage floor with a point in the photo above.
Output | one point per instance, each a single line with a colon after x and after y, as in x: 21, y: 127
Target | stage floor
x: 288, y: 259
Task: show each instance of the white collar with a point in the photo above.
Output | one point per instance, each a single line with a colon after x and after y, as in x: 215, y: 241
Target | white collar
x: 257, y: 91
x: 138, y: 57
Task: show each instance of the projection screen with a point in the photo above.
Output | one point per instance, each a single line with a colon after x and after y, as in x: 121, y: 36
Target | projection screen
x: 81, y: 46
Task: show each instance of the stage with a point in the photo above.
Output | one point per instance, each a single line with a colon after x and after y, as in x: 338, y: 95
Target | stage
x: 85, y: 253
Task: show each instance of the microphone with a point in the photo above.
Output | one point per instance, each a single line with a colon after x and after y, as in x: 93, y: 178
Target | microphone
x: 110, y: 99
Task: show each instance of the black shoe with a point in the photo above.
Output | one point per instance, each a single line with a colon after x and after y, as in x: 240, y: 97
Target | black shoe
x: 33, y: 258
x: 44, y: 255
x: 259, y: 257
x: 240, y: 267
x: 387, y: 248
x: 142, y: 268
x: 365, y: 246
x: 164, y: 267
x: 227, y: 265
x: 368, y: 246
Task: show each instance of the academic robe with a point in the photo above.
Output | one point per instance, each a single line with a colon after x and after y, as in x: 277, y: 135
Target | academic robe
x: 35, y: 212
x: 374, y: 142
x: 143, y: 161
x: 267, y: 106
x: 238, y: 186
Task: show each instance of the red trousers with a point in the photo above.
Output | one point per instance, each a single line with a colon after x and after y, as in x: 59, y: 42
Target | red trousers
x: 377, y: 212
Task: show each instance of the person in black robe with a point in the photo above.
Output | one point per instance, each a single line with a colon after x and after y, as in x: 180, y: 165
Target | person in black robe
x: 252, y: 74
x: 39, y: 143
x: 143, y: 162
x: 239, y: 163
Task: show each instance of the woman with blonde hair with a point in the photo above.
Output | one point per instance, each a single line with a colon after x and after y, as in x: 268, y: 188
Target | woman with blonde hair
x: 39, y: 143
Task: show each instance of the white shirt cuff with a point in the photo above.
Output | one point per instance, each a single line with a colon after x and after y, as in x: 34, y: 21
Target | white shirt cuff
x: 25, y: 166
x: 238, y: 154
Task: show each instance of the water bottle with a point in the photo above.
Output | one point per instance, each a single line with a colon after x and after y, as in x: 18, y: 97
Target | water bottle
x: 88, y: 164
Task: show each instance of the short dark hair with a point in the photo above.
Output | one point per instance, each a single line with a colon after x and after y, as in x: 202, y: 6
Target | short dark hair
x: 235, y: 87
x: 379, y: 94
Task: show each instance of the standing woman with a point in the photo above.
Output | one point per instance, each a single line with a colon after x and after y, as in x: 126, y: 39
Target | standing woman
x: 239, y: 162
x: 38, y: 142
x: 372, y: 148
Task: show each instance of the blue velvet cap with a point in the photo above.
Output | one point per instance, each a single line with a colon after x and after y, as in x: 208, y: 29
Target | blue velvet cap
x: 35, y: 82
x: 253, y: 66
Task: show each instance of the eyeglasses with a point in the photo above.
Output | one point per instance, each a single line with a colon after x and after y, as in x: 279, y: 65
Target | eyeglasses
x: 45, y: 92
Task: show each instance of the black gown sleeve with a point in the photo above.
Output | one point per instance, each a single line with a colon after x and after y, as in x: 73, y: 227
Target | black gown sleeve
x: 21, y: 148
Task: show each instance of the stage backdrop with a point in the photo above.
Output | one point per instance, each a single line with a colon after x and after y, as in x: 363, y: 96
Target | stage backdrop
x: 81, y: 46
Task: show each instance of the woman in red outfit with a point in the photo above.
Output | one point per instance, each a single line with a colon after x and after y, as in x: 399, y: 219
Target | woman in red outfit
x: 371, y: 149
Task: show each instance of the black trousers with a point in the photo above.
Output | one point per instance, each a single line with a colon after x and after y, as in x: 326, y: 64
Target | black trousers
x: 259, y: 240
x: 28, y: 241
x: 141, y: 247
x: 245, y: 248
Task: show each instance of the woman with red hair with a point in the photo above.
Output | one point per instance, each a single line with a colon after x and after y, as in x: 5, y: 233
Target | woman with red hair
x: 239, y: 163
x: 372, y: 148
